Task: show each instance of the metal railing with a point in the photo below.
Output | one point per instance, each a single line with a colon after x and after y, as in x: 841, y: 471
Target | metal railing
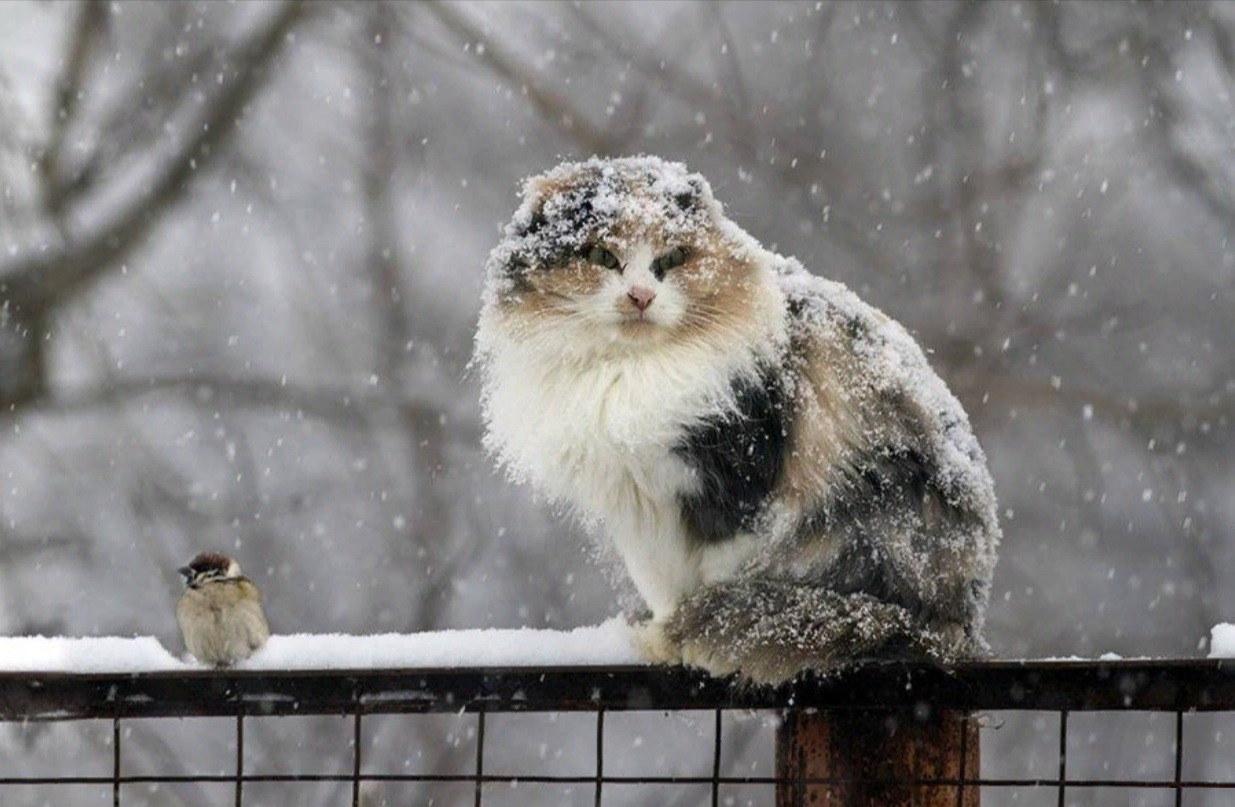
x: 886, y: 734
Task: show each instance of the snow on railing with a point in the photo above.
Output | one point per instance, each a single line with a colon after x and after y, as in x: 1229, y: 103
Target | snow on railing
x: 607, y: 643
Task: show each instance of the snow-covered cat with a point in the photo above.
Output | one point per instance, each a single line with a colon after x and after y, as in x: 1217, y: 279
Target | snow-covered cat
x: 789, y: 485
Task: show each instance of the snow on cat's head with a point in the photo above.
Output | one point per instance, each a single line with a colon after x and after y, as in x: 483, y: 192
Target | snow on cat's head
x: 610, y: 256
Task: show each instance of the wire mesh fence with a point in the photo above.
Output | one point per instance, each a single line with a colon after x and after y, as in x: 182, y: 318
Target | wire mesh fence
x: 1034, y: 733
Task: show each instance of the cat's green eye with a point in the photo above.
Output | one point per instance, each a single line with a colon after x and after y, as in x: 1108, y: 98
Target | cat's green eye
x: 670, y: 260
x: 602, y: 257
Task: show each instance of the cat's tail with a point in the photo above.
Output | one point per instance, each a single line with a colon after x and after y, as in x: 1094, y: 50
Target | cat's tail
x: 769, y: 630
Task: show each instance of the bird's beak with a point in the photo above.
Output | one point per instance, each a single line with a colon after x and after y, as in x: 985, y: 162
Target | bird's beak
x: 186, y: 573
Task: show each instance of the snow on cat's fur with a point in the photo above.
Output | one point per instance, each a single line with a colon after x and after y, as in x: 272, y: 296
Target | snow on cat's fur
x: 787, y: 482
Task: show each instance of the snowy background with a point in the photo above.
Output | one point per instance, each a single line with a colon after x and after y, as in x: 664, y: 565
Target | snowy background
x: 240, y: 263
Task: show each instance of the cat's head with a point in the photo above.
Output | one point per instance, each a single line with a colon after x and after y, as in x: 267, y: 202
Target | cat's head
x: 613, y: 255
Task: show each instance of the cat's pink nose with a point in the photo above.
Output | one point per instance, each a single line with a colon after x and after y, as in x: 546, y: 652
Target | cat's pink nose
x: 641, y: 296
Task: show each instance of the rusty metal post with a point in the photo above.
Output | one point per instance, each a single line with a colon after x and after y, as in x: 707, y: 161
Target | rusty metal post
x: 876, y: 759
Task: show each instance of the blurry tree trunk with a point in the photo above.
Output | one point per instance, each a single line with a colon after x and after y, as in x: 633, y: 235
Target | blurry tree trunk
x: 23, y: 374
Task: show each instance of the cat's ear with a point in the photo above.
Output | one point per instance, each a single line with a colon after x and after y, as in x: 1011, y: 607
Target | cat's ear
x: 690, y: 197
x: 537, y: 188
x: 694, y: 199
x: 530, y: 225
x: 530, y: 219
x: 523, y: 245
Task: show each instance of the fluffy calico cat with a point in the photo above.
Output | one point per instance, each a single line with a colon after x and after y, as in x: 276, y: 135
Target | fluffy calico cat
x: 788, y: 484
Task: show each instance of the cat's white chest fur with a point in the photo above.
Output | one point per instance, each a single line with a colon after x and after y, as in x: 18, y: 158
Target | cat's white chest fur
x: 600, y: 437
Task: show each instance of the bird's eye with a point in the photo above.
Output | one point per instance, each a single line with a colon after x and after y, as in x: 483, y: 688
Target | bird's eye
x: 602, y: 257
x: 670, y: 260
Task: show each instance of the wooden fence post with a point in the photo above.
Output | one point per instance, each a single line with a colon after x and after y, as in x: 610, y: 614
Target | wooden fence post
x: 876, y: 759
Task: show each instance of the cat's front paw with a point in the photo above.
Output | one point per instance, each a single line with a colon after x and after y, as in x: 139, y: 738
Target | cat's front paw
x: 701, y: 655
x: 653, y: 644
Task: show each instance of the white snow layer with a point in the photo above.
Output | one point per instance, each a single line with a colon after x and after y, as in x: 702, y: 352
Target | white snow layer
x: 85, y: 655
x: 1222, y: 640
x: 605, y: 644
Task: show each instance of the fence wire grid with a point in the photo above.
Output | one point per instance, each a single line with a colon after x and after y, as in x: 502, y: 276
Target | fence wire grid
x: 1046, y: 733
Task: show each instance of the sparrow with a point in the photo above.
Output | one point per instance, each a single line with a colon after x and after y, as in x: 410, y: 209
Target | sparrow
x: 220, y: 612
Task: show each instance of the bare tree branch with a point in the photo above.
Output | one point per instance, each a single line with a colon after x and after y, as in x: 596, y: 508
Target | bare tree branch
x: 89, y: 25
x: 339, y: 405
x: 665, y: 73
x: 35, y: 282
x: 556, y: 109
x: 378, y: 174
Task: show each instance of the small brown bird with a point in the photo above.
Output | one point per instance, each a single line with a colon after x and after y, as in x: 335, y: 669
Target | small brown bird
x: 220, y: 612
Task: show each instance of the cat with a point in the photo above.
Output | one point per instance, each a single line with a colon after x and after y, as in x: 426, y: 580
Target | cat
x: 788, y: 484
